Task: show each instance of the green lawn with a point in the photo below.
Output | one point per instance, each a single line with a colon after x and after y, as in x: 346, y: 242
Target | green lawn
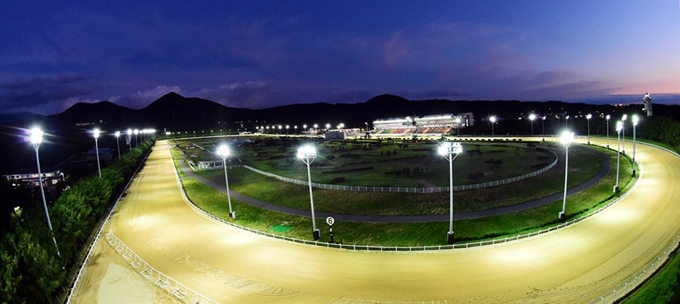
x: 661, y: 288
x: 412, y: 234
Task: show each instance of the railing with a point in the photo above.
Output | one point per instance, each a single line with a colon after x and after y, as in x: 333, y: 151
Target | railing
x: 101, y: 228
x: 402, y: 189
x: 403, y: 248
x: 166, y: 283
x: 608, y: 297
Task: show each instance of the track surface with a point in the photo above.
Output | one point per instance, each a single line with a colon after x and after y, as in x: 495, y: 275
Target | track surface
x: 575, y: 264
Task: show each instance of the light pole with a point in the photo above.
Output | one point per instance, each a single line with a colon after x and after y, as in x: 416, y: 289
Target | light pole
x: 36, y: 140
x: 129, y: 139
x: 223, y: 152
x: 588, y: 117
x: 566, y: 139
x: 118, y: 143
x: 493, y: 121
x: 450, y: 151
x: 458, y: 125
x: 543, y: 125
x: 532, y: 116
x: 287, y: 127
x: 307, y: 154
x: 608, y: 117
x: 619, y: 127
x: 95, y: 133
x: 635, y: 122
x: 623, y: 130
x: 295, y: 127
x: 137, y: 137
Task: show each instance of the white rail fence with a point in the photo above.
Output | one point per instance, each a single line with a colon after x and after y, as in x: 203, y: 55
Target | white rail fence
x: 151, y: 274
x: 403, y: 189
x: 408, y: 189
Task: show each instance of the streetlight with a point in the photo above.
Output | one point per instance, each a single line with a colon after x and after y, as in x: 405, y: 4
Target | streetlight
x: 566, y: 139
x: 137, y: 137
x: 295, y: 127
x: 588, y: 117
x: 117, y: 143
x: 619, y: 127
x: 129, y: 138
x: 623, y: 130
x: 307, y: 154
x: 458, y: 125
x: 493, y: 121
x: 279, y: 132
x: 95, y: 132
x: 287, y: 126
x: 36, y: 140
x: 543, y: 126
x: 532, y: 116
x: 635, y: 122
x: 608, y: 117
x: 328, y: 126
x: 223, y: 151
x: 450, y: 151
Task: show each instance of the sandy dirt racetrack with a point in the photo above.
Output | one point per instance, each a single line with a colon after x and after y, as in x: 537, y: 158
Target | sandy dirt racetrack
x: 229, y: 265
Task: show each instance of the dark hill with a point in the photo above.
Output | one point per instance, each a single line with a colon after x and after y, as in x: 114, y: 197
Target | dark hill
x: 103, y: 111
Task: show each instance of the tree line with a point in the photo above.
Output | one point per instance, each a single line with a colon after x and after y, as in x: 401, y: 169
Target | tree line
x: 30, y: 269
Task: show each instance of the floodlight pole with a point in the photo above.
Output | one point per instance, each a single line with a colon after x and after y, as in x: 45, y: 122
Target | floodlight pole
x: 623, y: 130
x: 608, y: 117
x: 307, y: 155
x: 567, y: 137
x: 450, y: 151
x: 619, y: 127
x: 635, y: 122
x: 96, y: 147
x: 118, y: 143
x: 36, y: 139
x: 588, y: 119
x: 223, y: 151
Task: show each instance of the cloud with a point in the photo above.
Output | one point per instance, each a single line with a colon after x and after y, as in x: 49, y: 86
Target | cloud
x: 37, y: 91
x: 250, y: 94
x: 143, y: 98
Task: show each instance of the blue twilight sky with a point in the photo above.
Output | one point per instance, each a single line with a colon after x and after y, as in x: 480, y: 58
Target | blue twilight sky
x: 259, y: 54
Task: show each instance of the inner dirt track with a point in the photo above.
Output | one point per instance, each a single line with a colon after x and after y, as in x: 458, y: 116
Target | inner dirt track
x: 576, y: 264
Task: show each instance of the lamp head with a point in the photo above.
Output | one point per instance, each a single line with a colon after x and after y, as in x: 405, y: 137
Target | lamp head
x: 450, y: 148
x: 619, y: 126
x: 95, y: 133
x: 492, y: 119
x: 129, y: 132
x: 532, y: 116
x: 567, y: 137
x: 589, y: 116
x: 117, y: 134
x: 543, y: 117
x: 457, y: 120
x: 223, y: 150
x: 36, y: 136
x: 624, y: 117
x: 306, y: 151
x: 608, y: 117
x: 635, y: 120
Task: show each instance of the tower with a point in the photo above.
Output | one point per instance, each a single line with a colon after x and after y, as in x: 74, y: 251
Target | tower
x: 648, y: 104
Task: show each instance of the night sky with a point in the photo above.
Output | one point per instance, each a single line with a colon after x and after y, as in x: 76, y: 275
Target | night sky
x: 259, y: 54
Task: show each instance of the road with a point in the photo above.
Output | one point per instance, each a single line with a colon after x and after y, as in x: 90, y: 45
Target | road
x: 572, y: 265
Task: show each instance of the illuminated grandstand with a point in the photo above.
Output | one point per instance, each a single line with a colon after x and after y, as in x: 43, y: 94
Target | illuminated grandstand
x: 426, y: 125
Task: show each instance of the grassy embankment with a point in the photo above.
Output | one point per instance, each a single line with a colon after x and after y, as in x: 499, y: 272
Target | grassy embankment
x: 389, y: 234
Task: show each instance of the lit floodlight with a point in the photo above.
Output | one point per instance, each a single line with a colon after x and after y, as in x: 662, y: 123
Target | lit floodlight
x: 95, y: 133
x: 619, y: 126
x: 566, y: 138
x: 450, y: 151
x: 223, y: 150
x: 306, y: 152
x: 589, y: 116
x: 117, y: 134
x: 532, y: 116
x: 492, y: 119
x: 36, y: 136
x: 636, y: 119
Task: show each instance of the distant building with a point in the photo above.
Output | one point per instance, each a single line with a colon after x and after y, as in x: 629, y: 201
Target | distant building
x: 426, y: 125
x: 648, y: 104
x: 335, y: 135
x: 29, y: 177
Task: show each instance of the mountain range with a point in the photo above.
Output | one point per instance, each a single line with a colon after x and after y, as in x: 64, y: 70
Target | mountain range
x: 175, y: 112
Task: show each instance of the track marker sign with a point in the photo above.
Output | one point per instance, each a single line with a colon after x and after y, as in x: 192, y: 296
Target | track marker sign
x: 330, y: 220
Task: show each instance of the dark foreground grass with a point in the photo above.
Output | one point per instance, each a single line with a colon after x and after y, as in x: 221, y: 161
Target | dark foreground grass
x: 661, y: 288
